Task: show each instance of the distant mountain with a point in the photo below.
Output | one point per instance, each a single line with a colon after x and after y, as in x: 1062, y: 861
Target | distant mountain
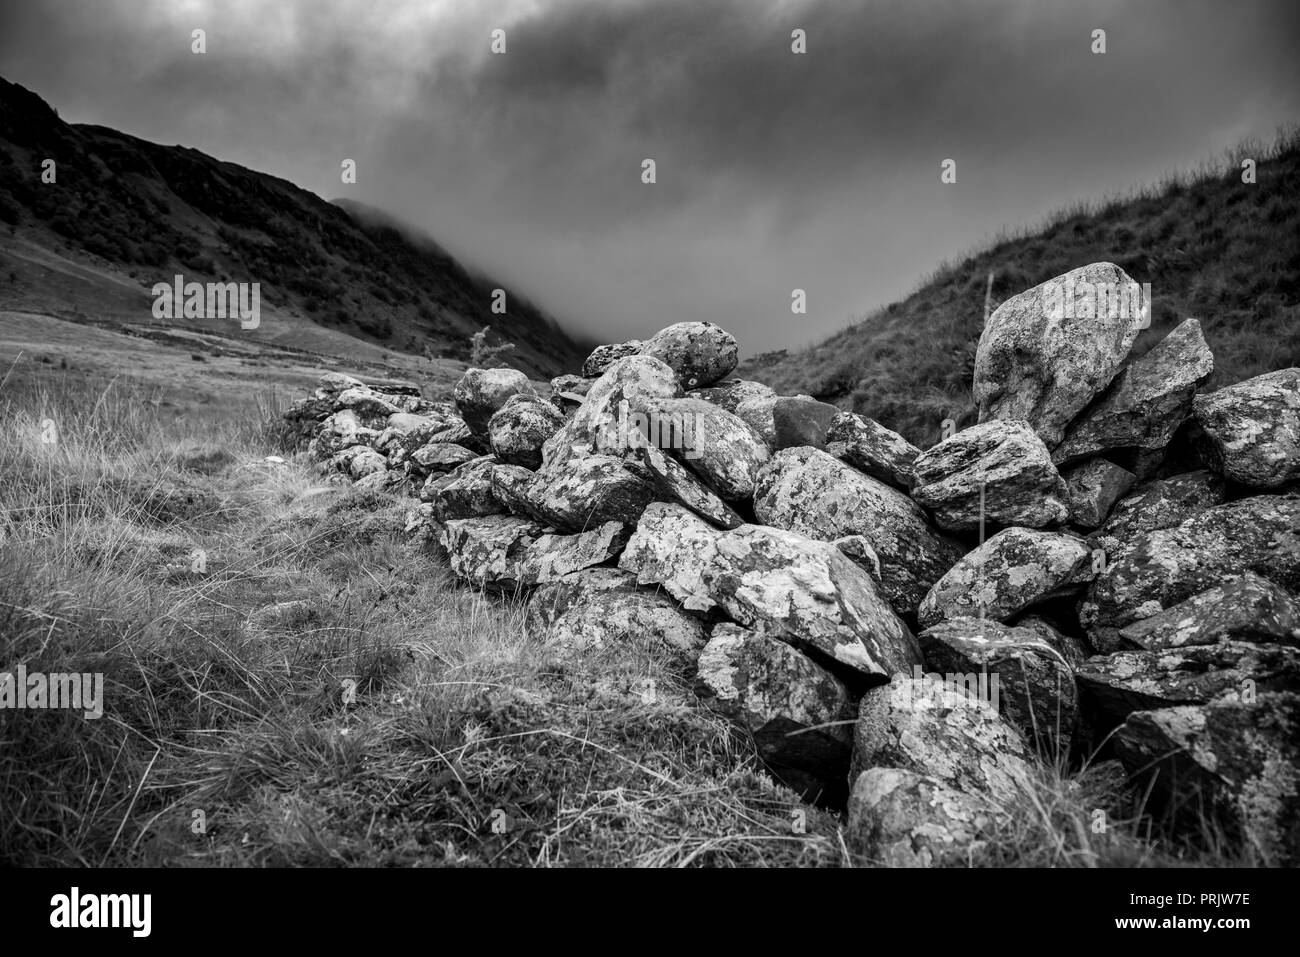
x: 136, y: 213
x: 1211, y: 246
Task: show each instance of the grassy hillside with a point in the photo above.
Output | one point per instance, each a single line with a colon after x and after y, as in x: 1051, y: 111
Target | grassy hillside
x: 147, y: 212
x: 1210, y: 245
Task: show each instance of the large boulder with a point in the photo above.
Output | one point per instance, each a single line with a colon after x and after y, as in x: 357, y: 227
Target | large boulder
x: 603, y: 611
x: 1008, y: 461
x: 807, y: 592
x: 591, y: 491
x: 714, y: 444
x: 1250, y: 432
x: 1113, y: 686
x: 1047, y: 353
x: 871, y: 448
x: 701, y: 353
x: 899, y: 818
x: 1230, y: 764
x: 941, y: 726
x: 602, y: 357
x: 508, y: 552
x: 796, y: 711
x: 481, y: 392
x: 519, y: 429
x: 1147, y: 402
x: 1246, y: 608
x: 1014, y: 569
x: 1167, y: 566
x: 811, y: 492
x: 1035, y: 686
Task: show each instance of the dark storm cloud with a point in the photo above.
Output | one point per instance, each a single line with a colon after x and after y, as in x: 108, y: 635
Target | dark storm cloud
x: 775, y: 171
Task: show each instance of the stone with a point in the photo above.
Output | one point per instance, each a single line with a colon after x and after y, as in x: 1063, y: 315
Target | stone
x: 507, y: 552
x: 899, y: 818
x: 1036, y: 690
x: 677, y: 484
x: 1229, y: 763
x: 1114, y: 686
x: 602, y: 357
x: 806, y: 592
x: 756, y: 412
x: 798, y: 713
x: 602, y: 611
x: 871, y: 448
x: 591, y: 491
x: 441, y: 457
x: 1046, y: 353
x: 730, y: 393
x: 1092, y: 489
x: 799, y: 421
x: 859, y: 549
x: 518, y: 430
x: 1073, y: 649
x: 464, y: 492
x: 810, y: 492
x: 568, y: 391
x: 1245, y: 608
x: 701, y: 353
x: 1016, y: 568
x: 1147, y: 402
x: 481, y: 392
x: 1021, y: 485
x: 1170, y: 565
x: 1160, y: 504
x: 940, y: 726
x: 338, y: 431
x: 373, y: 408
x: 512, y: 487
x: 1250, y: 432
x: 718, y: 447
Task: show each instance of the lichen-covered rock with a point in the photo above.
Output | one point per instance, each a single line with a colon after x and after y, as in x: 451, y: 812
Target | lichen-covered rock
x: 871, y: 448
x: 601, y: 424
x: 1232, y: 763
x: 568, y: 391
x: 714, y: 444
x: 602, y: 357
x: 801, y: 421
x: 756, y: 412
x: 730, y: 393
x: 373, y: 408
x: 796, y: 711
x: 512, y: 487
x: 1021, y: 485
x: 481, y: 392
x: 805, y: 591
x: 1036, y: 690
x: 1092, y: 489
x: 358, y: 461
x: 677, y: 484
x: 1167, y: 566
x: 898, y: 818
x: 810, y: 492
x: 1250, y: 432
x: 464, y: 492
x: 602, y: 610
x: 441, y: 457
x: 1014, y: 569
x: 701, y: 353
x: 507, y: 552
x: 1161, y: 504
x: 591, y: 491
x: 1246, y: 608
x: 1147, y: 402
x: 333, y: 383
x: 1045, y: 354
x: 1113, y: 686
x: 519, y: 429
x: 338, y: 431
x: 943, y: 726
x: 860, y: 550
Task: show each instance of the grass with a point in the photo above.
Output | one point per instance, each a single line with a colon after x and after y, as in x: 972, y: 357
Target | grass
x: 317, y: 691
x: 1210, y: 245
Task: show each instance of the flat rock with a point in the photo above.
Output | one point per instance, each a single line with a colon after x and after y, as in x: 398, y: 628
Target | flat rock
x: 1160, y: 504
x: 1021, y: 485
x: 813, y: 493
x: 1147, y: 402
x: 1045, y: 354
x: 1250, y: 432
x: 871, y: 448
x: 943, y: 727
x: 441, y: 457
x: 1093, y: 488
x: 898, y: 818
x: 518, y: 430
x: 1014, y: 569
x: 507, y: 552
x: 796, y: 711
x: 481, y: 392
x: 701, y: 353
x: 806, y: 591
x: 1230, y: 762
x: 602, y: 357
x: 1246, y: 608
x: 677, y: 484
x: 1035, y: 688
x: 799, y: 421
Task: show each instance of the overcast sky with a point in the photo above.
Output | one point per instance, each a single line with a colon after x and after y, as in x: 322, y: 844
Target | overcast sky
x: 819, y: 171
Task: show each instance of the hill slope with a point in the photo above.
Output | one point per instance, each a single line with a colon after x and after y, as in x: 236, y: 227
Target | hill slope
x: 1210, y: 246
x: 125, y: 213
